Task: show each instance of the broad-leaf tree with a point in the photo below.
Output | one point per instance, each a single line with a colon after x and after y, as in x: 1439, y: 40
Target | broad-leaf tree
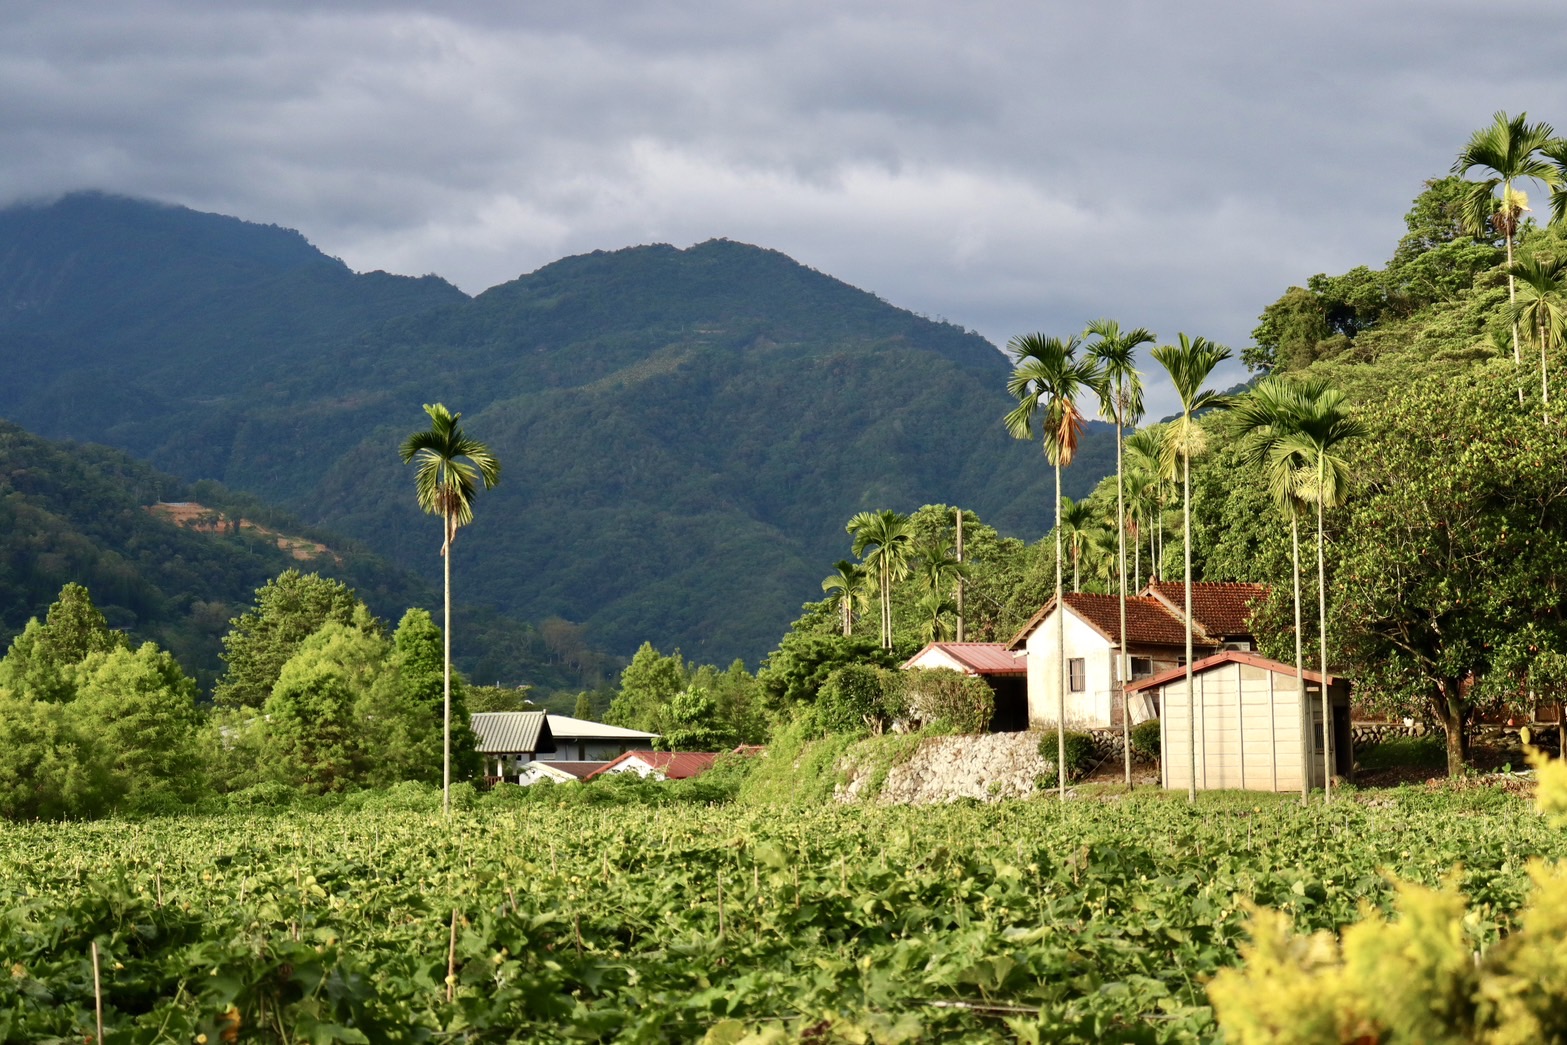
x: 288, y: 610
x: 1047, y: 380
x: 1189, y: 363
x: 1451, y: 557
x: 1510, y: 148
x: 450, y: 468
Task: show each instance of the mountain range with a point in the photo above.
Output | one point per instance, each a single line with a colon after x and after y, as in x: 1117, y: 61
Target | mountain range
x: 683, y: 433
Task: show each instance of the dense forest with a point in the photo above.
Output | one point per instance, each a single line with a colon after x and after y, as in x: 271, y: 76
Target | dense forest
x: 683, y: 432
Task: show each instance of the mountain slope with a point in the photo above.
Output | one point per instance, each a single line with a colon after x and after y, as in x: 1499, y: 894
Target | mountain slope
x: 683, y: 433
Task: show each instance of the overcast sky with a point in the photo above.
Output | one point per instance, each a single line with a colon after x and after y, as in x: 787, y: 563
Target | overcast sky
x: 1010, y: 166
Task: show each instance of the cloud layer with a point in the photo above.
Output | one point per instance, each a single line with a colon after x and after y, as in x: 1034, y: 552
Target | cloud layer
x: 1009, y: 166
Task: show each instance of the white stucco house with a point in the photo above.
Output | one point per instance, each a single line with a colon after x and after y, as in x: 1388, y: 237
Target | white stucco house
x: 1155, y: 639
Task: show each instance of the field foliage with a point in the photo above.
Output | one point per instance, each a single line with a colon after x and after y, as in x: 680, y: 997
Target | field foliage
x: 1094, y: 921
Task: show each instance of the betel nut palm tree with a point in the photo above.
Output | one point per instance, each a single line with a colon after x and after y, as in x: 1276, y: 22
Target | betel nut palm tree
x: 1512, y: 149
x: 1260, y: 420
x: 883, y: 540
x: 1120, y: 402
x: 1322, y: 478
x: 1539, y: 309
x: 450, y: 466
x: 845, y: 589
x: 1047, y: 380
x: 1145, y: 454
x: 1189, y: 363
x: 1077, y: 522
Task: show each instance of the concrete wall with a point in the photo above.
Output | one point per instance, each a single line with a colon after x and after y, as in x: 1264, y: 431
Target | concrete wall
x: 1084, y: 710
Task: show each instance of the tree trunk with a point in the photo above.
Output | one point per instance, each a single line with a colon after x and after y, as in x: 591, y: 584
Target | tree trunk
x: 1322, y: 643
x: 446, y: 674
x: 1191, y: 707
x: 1300, y: 660
x: 1060, y: 653
x: 960, y: 574
x: 1447, y: 705
x: 1512, y: 301
x: 1120, y: 559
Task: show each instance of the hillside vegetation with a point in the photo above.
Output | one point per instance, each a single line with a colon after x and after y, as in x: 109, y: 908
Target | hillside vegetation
x: 684, y: 432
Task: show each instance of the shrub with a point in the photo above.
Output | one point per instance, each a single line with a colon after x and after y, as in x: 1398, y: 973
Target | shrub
x: 850, y: 700
x: 270, y: 794
x: 1145, y: 741
x: 941, y: 700
x: 1080, y: 754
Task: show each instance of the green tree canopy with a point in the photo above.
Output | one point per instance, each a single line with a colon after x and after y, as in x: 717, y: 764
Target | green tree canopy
x: 39, y: 661
x: 139, y: 709
x: 288, y: 609
x: 1451, y: 561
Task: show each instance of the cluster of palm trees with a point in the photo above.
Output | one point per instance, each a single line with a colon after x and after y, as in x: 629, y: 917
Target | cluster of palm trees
x: 1294, y: 431
x: 889, y: 554
x: 1513, y: 150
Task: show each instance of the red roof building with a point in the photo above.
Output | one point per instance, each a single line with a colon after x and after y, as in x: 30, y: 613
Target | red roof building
x: 666, y: 765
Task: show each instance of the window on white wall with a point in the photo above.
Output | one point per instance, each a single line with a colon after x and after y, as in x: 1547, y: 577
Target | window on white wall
x: 1077, y: 674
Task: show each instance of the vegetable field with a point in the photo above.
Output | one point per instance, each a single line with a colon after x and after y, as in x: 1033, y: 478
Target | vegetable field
x: 1097, y: 921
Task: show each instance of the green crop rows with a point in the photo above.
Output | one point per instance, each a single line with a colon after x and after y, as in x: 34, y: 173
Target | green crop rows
x: 1028, y: 921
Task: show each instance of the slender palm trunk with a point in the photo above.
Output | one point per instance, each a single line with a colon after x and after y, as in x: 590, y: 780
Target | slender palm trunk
x: 446, y: 676
x: 960, y: 574
x: 1126, y: 657
x: 1322, y: 640
x: 1060, y: 654
x: 1191, y: 705
x: 884, y: 575
x: 1512, y: 300
x: 1300, y: 662
x: 1545, y: 388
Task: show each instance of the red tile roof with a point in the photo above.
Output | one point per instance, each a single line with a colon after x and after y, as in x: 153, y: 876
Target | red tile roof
x: 981, y: 658
x: 1229, y: 656
x: 1149, y: 622
x: 675, y: 765
x: 1221, y: 609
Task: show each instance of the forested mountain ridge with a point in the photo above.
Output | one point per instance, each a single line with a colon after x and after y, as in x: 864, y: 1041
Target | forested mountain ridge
x: 683, y: 433
x: 77, y: 513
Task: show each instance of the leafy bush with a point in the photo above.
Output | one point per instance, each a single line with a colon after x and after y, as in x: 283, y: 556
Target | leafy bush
x: 850, y: 700
x: 940, y: 700
x: 1145, y: 742
x: 270, y: 794
x: 1080, y: 754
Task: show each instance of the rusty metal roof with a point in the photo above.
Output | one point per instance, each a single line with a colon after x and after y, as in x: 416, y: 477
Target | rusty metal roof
x: 1229, y: 656
x: 1221, y: 609
x: 1149, y: 621
x: 512, y: 732
x: 979, y: 658
x: 672, y: 765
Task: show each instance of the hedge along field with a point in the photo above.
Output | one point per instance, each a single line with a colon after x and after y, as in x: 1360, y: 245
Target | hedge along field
x: 1092, y: 921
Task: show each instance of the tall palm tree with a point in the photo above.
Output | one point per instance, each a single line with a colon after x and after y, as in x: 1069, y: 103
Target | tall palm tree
x: 1189, y: 365
x: 1145, y: 453
x: 1512, y: 149
x: 1047, y: 381
x: 1323, y: 479
x: 1077, y: 521
x: 1539, y: 309
x: 845, y: 590
x: 449, y: 466
x: 1139, y: 506
x: 1121, y: 402
x: 883, y: 541
x: 1261, y: 419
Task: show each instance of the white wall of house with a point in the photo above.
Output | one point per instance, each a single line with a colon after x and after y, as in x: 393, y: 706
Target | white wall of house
x: 568, y: 749
x: 633, y: 765
x: 1087, y: 708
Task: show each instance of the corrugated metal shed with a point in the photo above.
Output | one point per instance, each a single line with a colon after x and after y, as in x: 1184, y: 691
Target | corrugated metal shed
x: 979, y: 658
x: 567, y: 728
x: 512, y: 732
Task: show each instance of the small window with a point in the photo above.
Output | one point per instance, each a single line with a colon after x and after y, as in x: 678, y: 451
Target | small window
x: 1077, y: 673
x: 1142, y: 667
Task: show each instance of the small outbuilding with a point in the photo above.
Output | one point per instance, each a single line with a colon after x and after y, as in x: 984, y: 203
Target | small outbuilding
x: 1004, y: 671
x: 1251, y: 731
